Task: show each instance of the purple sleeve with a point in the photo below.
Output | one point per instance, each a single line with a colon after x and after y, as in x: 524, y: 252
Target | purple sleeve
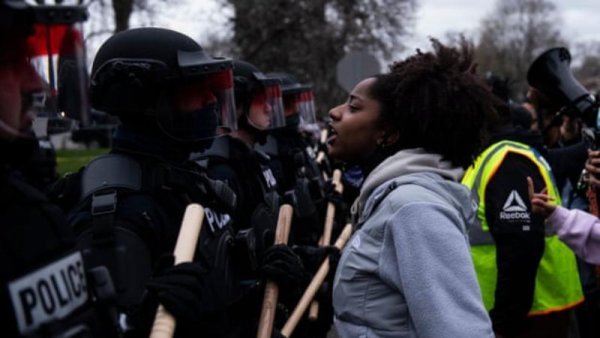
x: 579, y: 230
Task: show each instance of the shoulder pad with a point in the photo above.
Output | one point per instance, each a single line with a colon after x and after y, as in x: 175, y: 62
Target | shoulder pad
x: 222, y: 191
x: 271, y: 147
x: 262, y: 156
x: 201, y: 162
x: 112, y: 170
x: 219, y: 148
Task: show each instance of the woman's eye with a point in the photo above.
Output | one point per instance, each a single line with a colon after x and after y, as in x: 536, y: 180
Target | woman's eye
x: 353, y: 108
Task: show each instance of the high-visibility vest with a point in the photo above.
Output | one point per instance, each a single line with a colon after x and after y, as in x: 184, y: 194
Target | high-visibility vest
x: 557, y: 285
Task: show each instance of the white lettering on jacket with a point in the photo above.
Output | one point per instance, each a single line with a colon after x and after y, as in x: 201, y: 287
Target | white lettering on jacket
x: 269, y: 178
x: 49, y: 293
x: 216, y: 220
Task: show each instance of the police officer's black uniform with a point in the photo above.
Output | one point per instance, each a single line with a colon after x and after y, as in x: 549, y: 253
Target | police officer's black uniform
x: 293, y: 162
x: 132, y: 200
x: 299, y: 178
x: 247, y: 172
x: 45, y: 289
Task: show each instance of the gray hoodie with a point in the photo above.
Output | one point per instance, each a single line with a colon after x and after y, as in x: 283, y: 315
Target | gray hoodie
x: 407, y: 271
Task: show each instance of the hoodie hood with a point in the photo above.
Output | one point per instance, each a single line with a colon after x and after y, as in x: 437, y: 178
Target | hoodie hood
x: 372, y: 282
x: 418, y: 167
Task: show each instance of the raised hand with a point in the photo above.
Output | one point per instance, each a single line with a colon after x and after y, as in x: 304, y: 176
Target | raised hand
x: 592, y: 166
x: 541, y: 203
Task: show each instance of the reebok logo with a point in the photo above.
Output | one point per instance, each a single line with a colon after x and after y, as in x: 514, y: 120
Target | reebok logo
x: 514, y: 202
x: 514, y: 208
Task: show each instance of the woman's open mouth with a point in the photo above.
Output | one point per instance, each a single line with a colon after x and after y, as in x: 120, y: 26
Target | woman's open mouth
x: 332, y: 135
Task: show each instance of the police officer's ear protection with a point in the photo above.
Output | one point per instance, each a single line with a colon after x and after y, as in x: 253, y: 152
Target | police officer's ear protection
x: 125, y: 86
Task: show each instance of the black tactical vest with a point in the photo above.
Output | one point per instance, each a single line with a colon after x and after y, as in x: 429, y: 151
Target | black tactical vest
x: 45, y: 289
x: 130, y: 214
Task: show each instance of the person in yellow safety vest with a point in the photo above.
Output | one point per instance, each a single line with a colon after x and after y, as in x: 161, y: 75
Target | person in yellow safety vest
x: 528, y: 278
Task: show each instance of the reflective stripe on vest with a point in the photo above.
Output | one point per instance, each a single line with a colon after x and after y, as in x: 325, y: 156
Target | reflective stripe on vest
x: 557, y: 285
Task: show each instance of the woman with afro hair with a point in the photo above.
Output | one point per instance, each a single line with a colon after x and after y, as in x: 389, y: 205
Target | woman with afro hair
x: 407, y: 271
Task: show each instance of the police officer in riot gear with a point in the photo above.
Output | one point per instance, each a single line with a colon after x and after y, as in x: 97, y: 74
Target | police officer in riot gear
x: 233, y: 159
x: 294, y: 163
x: 46, y: 291
x: 171, y: 98
x: 299, y: 178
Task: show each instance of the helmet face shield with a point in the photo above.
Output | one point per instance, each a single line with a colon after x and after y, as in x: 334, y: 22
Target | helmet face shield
x: 224, y: 91
x: 266, y: 108
x: 306, y: 108
x: 35, y: 39
x: 275, y: 103
x: 57, y: 54
x: 298, y: 100
x: 203, y: 107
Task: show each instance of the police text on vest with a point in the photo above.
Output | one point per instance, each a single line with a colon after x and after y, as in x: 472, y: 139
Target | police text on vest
x: 51, y: 292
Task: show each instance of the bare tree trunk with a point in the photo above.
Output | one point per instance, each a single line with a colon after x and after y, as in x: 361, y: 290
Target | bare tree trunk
x: 123, y: 10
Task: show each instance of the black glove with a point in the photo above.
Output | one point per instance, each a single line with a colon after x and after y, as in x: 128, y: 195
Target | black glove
x: 189, y: 291
x: 280, y: 264
x: 341, y: 207
x: 313, y: 256
x: 277, y: 334
x: 331, y: 194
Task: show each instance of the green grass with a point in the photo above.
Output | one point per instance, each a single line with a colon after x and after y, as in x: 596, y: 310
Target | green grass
x: 72, y: 160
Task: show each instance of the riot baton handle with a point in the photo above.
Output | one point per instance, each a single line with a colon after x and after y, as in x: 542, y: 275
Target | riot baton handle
x: 267, y: 315
x: 314, y: 285
x: 321, y: 153
x: 323, y: 135
x: 164, y: 322
x: 330, y: 215
x: 325, y: 239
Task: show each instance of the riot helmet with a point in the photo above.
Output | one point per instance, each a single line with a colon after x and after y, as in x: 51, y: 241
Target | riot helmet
x: 159, y: 79
x: 298, y: 100
x: 38, y: 43
x: 258, y: 98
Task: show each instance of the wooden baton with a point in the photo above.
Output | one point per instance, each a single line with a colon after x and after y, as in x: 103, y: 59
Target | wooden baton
x: 313, y: 313
x: 321, y: 154
x: 314, y: 286
x: 164, y: 322
x: 267, y: 315
x: 322, y: 140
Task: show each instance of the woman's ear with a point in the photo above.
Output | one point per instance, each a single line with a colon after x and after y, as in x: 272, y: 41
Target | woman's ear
x: 388, y: 138
x: 392, y: 138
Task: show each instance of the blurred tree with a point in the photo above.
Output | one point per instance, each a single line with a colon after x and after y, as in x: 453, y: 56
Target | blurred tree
x: 308, y: 37
x: 586, y: 65
x: 122, y: 10
x: 513, y: 35
x: 108, y: 17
